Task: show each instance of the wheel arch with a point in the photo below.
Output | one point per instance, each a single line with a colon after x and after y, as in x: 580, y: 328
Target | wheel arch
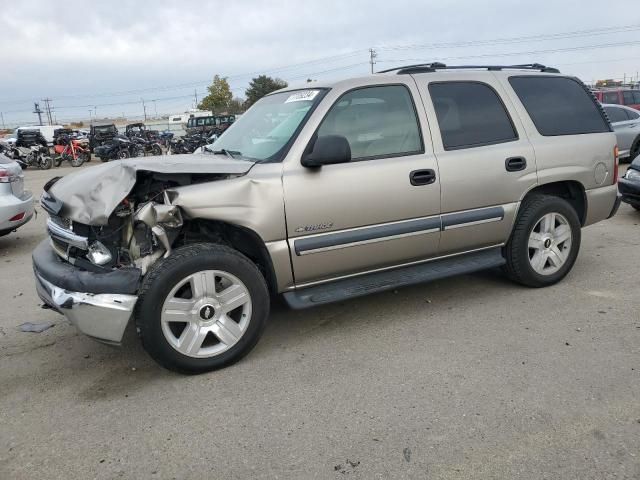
x: 570, y: 190
x: 242, y: 239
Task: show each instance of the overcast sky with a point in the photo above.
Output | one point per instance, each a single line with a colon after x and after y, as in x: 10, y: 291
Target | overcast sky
x: 87, y: 54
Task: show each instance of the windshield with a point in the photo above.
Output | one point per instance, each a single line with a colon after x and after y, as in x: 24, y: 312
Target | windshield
x: 263, y: 133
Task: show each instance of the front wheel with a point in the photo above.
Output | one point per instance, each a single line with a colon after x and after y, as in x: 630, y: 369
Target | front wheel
x: 122, y: 154
x: 156, y: 150
x: 45, y: 163
x: 544, y: 243
x: 203, y: 308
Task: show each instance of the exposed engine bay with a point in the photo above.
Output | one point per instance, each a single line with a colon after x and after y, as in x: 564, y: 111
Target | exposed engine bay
x: 97, y: 232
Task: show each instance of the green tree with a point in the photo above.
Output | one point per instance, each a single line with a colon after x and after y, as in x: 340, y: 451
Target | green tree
x: 219, y: 98
x: 236, y: 105
x: 260, y: 86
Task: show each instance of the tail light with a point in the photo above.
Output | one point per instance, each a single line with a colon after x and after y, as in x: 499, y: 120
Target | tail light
x: 615, y: 164
x: 6, y: 176
x: 17, y: 217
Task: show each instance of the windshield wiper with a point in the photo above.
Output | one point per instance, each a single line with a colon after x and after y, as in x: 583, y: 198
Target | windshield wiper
x: 228, y: 153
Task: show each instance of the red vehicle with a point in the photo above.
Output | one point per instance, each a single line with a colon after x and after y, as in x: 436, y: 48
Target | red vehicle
x: 74, y: 151
x: 619, y: 96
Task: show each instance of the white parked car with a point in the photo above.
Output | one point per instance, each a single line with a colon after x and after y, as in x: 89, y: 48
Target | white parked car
x: 626, y: 125
x: 16, y: 203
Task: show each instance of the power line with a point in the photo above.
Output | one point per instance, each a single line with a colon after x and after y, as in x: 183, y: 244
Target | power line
x: 528, y: 38
x: 506, y: 54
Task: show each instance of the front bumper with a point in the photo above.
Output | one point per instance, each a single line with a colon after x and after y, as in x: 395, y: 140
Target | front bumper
x: 10, y: 206
x: 103, y: 316
x: 630, y: 191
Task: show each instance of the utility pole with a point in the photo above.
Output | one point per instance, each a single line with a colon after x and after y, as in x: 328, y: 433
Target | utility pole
x: 2, y: 118
x: 89, y: 116
x: 38, y: 111
x: 372, y: 58
x: 47, y: 107
x: 155, y: 107
x: 144, y: 108
x: 195, y: 96
x: 95, y: 112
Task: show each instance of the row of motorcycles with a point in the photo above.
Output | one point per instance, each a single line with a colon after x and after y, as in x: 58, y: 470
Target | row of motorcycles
x: 30, y: 149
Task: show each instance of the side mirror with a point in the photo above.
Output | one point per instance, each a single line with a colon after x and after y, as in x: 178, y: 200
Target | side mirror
x: 327, y: 150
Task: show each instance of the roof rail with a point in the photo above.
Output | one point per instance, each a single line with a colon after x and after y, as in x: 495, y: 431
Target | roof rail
x: 432, y: 67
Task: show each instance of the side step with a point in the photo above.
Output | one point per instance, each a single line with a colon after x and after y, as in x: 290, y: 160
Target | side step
x: 390, y: 279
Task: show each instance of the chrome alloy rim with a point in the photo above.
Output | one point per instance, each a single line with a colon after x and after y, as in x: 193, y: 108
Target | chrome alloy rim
x: 206, y: 313
x: 549, y: 244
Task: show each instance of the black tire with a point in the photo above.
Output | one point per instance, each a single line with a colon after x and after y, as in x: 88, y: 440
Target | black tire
x: 635, y: 150
x: 58, y: 161
x: 156, y: 150
x: 78, y: 161
x: 46, y: 163
x: 516, y: 252
x: 122, y: 154
x: 166, y: 274
x: 637, y: 207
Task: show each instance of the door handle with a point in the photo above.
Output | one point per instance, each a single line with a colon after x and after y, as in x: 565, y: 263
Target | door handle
x: 422, y: 177
x: 515, y: 164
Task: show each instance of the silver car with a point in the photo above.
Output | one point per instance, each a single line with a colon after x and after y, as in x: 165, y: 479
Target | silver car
x: 16, y: 203
x: 626, y: 124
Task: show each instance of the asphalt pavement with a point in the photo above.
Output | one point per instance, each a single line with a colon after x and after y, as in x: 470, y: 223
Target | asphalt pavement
x: 471, y: 377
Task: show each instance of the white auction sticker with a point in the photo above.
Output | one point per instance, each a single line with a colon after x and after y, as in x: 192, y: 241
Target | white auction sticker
x: 302, y: 96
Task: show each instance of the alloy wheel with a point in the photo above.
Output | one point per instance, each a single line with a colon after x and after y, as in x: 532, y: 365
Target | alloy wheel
x: 549, y: 244
x: 206, y: 313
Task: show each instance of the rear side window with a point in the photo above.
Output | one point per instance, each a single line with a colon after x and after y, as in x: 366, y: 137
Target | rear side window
x: 616, y: 114
x: 627, y: 98
x: 559, y: 105
x: 470, y: 114
x: 610, y: 97
x: 632, y: 115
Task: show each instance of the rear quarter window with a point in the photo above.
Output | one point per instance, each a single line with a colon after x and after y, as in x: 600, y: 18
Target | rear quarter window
x: 559, y: 105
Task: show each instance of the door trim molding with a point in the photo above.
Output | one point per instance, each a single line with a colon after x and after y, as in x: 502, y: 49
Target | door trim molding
x: 325, y: 242
x: 361, y: 236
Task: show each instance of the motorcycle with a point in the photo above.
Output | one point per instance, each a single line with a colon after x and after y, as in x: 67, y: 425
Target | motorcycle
x: 118, y: 148
x: 147, y: 147
x: 165, y: 138
x: 75, y: 152
x: 189, y: 143
x: 31, y: 150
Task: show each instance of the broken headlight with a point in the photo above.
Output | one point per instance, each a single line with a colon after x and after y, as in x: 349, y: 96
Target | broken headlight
x: 98, y: 254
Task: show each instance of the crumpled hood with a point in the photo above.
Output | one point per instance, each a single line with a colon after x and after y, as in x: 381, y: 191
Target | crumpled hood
x: 92, y: 193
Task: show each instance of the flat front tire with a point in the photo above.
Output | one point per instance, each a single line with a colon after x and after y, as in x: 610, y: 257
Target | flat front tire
x: 544, y: 243
x: 203, y: 308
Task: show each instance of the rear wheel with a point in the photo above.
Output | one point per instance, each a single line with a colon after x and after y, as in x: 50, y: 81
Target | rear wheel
x: 122, y: 154
x: 79, y: 160
x: 201, y: 309
x: 544, y: 243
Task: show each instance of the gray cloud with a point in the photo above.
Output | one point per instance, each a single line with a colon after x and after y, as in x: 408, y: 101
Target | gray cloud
x: 72, y: 51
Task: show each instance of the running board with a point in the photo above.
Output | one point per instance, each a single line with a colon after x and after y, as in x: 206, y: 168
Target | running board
x: 391, y: 279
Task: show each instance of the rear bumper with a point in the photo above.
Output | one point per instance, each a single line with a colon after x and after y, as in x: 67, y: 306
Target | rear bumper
x: 10, y: 206
x: 101, y: 315
x: 601, y: 203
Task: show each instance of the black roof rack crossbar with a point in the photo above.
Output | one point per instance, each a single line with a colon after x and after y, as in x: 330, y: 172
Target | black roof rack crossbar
x: 432, y: 67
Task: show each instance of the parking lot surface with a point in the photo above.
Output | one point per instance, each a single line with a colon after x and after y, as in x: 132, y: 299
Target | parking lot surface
x: 472, y: 377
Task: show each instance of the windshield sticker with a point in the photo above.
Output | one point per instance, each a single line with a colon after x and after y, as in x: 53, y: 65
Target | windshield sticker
x: 302, y: 96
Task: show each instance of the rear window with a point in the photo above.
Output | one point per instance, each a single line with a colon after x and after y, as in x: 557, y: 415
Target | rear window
x: 610, y: 97
x: 616, y: 114
x: 470, y: 114
x: 559, y: 105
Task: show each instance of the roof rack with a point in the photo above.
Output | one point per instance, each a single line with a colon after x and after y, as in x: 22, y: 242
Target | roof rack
x: 432, y: 67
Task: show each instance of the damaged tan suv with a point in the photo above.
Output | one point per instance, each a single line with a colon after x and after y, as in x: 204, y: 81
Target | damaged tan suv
x: 326, y: 193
